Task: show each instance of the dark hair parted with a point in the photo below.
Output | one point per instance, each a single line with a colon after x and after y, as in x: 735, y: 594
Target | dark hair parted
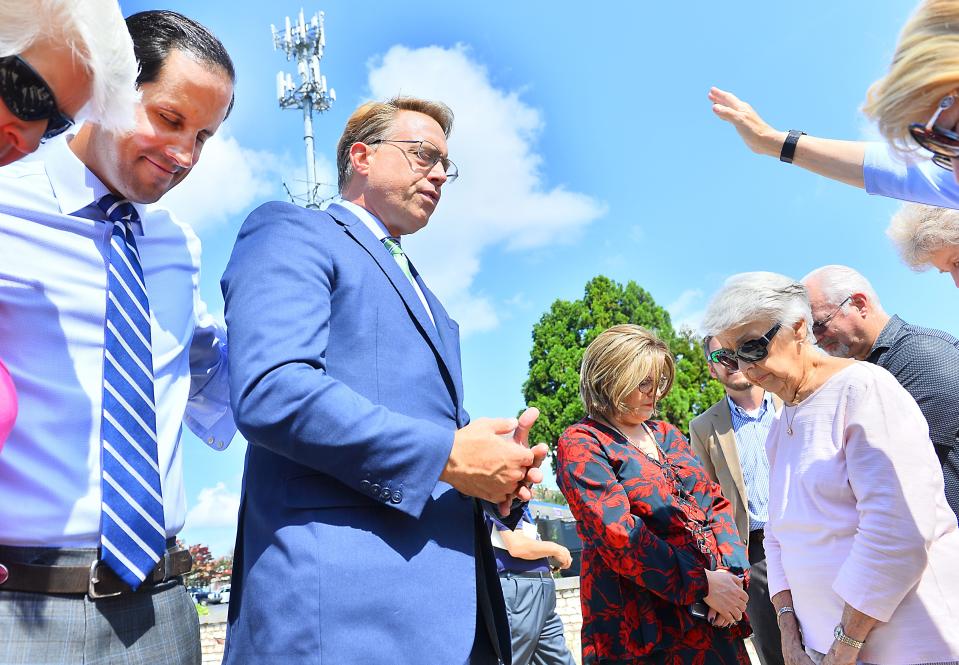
x: 157, y: 32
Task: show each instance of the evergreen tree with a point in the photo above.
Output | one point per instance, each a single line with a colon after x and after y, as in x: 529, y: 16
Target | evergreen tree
x: 564, y: 332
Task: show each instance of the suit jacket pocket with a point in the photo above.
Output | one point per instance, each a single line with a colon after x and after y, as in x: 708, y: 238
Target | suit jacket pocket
x: 321, y: 491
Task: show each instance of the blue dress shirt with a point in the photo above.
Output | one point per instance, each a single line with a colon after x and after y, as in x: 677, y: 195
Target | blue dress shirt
x: 751, y: 430
x: 918, y: 180
x: 53, y: 286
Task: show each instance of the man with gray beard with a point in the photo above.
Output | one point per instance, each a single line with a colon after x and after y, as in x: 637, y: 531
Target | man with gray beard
x: 849, y: 322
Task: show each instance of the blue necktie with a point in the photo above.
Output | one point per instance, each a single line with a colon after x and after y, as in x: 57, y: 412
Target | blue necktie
x: 132, y: 532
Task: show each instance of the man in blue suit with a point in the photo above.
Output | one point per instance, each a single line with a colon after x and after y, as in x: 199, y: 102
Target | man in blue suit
x: 360, y: 540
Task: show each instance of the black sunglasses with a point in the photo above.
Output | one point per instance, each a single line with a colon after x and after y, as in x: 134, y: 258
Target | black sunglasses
x: 942, y: 143
x: 28, y: 96
x: 819, y: 327
x: 750, y: 351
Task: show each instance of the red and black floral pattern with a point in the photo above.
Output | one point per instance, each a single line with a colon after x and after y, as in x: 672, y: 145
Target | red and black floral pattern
x: 642, y: 567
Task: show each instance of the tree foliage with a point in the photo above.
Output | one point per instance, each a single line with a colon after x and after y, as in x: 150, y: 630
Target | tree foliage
x: 564, y: 332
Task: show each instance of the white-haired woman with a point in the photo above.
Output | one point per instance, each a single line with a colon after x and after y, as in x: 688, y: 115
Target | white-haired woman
x: 926, y: 237
x: 861, y: 544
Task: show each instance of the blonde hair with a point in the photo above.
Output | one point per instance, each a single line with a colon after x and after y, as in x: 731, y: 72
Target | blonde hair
x: 919, y: 230
x: 98, y: 38
x: 616, y: 362
x: 924, y: 69
x: 372, y: 121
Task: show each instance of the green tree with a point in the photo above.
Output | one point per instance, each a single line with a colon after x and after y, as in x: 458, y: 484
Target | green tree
x: 203, y: 567
x: 564, y: 332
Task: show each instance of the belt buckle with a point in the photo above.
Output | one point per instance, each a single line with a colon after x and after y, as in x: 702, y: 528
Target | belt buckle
x: 94, y: 580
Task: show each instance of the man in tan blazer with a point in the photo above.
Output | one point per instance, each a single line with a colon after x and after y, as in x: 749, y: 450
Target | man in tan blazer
x: 730, y: 440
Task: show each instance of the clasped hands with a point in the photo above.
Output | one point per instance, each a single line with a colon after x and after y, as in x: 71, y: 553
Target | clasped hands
x: 726, y: 598
x: 491, y: 459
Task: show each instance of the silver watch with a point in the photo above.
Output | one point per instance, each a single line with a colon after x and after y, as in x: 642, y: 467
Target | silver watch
x: 840, y: 635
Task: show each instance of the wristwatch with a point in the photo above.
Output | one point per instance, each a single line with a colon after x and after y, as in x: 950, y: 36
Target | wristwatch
x: 840, y: 635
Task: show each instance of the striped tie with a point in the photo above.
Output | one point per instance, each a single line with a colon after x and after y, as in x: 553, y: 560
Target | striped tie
x: 393, y: 245
x: 132, y: 533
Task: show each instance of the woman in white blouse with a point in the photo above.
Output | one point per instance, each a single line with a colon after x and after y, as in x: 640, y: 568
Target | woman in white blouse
x: 861, y: 545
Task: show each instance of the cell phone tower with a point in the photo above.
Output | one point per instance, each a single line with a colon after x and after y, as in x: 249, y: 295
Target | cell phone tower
x: 304, y: 42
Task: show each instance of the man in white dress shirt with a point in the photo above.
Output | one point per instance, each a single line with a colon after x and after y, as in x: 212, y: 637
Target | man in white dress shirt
x: 92, y: 289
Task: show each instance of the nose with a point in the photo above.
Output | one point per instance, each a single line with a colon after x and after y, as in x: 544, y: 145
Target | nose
x: 437, y: 174
x: 181, y: 154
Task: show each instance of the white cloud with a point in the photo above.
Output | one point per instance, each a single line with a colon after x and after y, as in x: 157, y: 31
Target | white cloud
x: 686, y: 311
x: 501, y: 198
x: 216, y: 507
x: 229, y: 180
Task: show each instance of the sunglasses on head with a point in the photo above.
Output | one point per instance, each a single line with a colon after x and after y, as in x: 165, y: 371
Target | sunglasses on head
x: 28, y: 96
x: 750, y: 351
x: 942, y: 143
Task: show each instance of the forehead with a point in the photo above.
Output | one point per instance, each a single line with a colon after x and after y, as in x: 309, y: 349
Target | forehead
x: 943, y: 257
x: 201, y: 86
x: 733, y: 337
x: 412, y: 125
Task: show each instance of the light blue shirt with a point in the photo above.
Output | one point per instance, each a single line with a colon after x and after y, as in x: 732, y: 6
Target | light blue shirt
x: 751, y: 430
x: 53, y: 286
x: 918, y: 180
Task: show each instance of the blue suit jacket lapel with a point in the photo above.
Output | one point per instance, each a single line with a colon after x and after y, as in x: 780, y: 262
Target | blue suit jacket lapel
x: 387, y: 263
x: 445, y: 327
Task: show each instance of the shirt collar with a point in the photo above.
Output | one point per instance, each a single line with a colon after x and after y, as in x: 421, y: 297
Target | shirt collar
x: 888, y: 335
x: 371, y: 221
x: 73, y: 192
x: 766, y: 404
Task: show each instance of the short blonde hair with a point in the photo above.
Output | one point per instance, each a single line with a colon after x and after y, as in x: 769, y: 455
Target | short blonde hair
x: 919, y: 230
x: 924, y: 69
x: 616, y: 362
x: 372, y: 121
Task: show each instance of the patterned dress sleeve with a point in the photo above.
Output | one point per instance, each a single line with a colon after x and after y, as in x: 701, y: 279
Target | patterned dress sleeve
x: 602, y: 511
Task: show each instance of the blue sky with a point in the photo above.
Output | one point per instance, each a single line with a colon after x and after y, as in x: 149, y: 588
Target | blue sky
x: 585, y: 144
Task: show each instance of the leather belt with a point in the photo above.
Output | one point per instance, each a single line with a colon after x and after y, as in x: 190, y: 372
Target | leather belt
x: 96, y: 580
x: 536, y: 576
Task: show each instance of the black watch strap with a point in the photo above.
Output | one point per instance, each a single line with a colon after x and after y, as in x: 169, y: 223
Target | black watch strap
x: 789, y: 146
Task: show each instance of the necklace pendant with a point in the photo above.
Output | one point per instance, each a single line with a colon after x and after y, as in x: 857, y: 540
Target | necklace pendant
x: 789, y: 430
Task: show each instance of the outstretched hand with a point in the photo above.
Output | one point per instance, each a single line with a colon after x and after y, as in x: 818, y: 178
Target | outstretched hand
x: 756, y: 133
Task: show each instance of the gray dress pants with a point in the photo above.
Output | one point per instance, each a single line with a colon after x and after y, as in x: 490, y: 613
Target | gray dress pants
x: 536, y: 630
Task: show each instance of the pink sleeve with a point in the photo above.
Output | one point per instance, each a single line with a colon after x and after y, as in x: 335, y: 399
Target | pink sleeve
x: 895, y: 476
x: 8, y: 403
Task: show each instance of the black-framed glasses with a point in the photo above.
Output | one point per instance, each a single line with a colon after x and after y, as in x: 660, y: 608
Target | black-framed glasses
x: 819, y: 327
x: 942, y: 143
x: 427, y: 156
x: 750, y: 351
x: 29, y: 97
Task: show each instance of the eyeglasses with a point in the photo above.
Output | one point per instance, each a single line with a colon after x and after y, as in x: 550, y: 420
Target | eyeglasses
x: 750, y: 351
x: 819, y: 327
x: 427, y: 156
x: 942, y: 143
x: 28, y: 96
x: 646, y: 385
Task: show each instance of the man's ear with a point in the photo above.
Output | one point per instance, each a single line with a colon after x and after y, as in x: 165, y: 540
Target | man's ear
x: 861, y: 302
x: 360, y: 155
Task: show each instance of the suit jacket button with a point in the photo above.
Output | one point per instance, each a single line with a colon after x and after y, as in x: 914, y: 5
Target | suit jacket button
x: 365, y: 485
x: 375, y: 489
x: 397, y: 497
x: 386, y: 494
x: 4, y: 574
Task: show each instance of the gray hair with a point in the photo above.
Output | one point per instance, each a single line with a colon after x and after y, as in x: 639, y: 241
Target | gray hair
x: 919, y: 230
x: 757, y: 296
x: 839, y: 282
x: 97, y: 36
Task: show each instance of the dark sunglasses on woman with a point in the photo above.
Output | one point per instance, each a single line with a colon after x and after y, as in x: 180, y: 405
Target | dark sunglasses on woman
x: 28, y: 96
x: 942, y: 143
x: 750, y: 351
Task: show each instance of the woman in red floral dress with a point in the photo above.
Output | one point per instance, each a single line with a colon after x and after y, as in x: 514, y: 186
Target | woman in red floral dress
x: 658, y: 536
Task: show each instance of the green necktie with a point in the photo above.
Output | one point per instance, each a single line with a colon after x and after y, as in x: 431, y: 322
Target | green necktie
x: 399, y: 256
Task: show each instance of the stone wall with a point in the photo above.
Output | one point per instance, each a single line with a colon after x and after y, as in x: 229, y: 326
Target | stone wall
x: 570, y: 611
x: 212, y: 635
